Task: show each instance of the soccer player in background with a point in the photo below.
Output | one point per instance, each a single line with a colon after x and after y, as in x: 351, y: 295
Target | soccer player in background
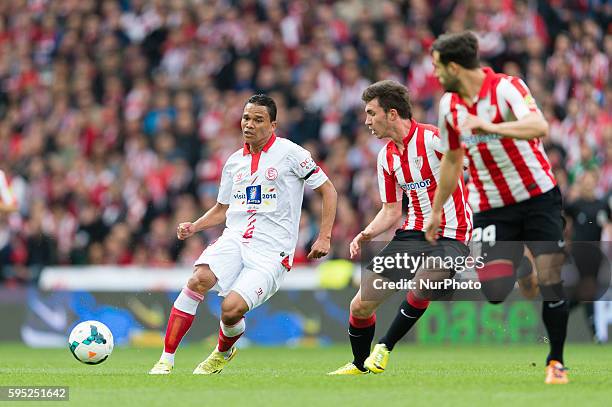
x: 409, y: 163
x: 260, y: 201
x: 494, y: 119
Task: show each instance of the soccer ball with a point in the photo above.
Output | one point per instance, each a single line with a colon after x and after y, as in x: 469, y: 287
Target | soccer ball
x: 91, y: 342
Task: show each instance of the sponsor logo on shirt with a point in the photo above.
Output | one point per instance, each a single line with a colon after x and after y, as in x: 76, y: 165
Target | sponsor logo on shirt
x: 412, y: 186
x: 254, y: 198
x: 308, y: 164
x: 474, y: 139
x: 253, y: 194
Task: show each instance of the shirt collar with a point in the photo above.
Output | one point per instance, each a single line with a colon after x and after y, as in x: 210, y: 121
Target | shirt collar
x: 406, y: 139
x: 413, y: 126
x: 486, y: 84
x: 246, y: 150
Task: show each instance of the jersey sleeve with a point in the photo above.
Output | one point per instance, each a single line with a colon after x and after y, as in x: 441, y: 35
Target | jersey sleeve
x: 515, y: 93
x: 389, y: 189
x: 450, y: 139
x: 436, y: 145
x: 225, y: 187
x: 304, y: 167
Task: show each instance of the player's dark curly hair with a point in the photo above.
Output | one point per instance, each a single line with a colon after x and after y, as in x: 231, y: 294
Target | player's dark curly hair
x: 264, y: 100
x: 390, y: 95
x: 460, y: 48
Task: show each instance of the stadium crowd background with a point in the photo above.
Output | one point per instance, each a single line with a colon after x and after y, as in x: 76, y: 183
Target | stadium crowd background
x: 117, y: 116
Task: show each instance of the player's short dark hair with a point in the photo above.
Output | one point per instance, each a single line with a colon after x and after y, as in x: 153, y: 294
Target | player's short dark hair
x: 264, y: 100
x: 460, y: 48
x: 390, y: 95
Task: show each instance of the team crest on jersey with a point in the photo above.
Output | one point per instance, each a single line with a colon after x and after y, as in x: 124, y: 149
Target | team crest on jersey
x: 271, y: 174
x: 418, y: 162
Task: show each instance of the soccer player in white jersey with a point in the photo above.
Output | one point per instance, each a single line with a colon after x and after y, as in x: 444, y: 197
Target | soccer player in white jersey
x: 260, y: 201
x: 408, y: 164
x: 494, y: 119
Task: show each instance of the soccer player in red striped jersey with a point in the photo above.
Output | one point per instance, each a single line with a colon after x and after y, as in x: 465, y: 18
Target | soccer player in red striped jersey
x: 494, y: 120
x: 408, y: 164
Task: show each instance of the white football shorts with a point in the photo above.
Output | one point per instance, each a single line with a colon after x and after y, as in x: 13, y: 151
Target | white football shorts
x: 256, y: 276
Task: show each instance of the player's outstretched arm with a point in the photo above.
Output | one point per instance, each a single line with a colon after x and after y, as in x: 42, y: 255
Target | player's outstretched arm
x: 329, y: 198
x: 451, y: 168
x: 213, y: 217
x: 388, y: 216
x: 531, y: 126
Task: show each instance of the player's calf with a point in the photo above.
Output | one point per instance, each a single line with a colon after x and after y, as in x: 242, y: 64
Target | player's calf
x: 182, y: 315
x: 497, y: 280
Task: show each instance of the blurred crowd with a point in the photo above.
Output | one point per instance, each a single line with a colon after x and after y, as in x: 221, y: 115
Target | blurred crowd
x: 116, y: 116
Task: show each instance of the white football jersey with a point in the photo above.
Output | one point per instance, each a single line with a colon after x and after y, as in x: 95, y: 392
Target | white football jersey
x: 265, y: 191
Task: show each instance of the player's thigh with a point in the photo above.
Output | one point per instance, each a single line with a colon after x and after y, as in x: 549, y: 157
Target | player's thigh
x: 544, y: 223
x: 260, y: 277
x: 224, y: 259
x: 497, y: 235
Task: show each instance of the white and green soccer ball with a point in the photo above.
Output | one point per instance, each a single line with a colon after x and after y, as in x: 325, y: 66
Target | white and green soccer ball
x: 91, y: 342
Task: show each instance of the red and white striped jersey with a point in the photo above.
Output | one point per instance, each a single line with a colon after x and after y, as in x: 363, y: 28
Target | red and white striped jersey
x: 416, y: 172
x: 503, y: 171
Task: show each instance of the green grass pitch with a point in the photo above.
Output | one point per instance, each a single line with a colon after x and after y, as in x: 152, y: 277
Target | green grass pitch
x: 457, y: 375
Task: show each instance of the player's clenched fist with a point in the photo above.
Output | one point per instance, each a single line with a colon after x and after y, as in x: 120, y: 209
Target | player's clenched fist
x: 184, y: 230
x: 319, y: 249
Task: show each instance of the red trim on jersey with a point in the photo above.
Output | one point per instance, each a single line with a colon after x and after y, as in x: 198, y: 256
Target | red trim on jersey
x: 246, y: 149
x: 286, y: 263
x: 255, y: 162
x: 487, y: 83
x: 255, y: 157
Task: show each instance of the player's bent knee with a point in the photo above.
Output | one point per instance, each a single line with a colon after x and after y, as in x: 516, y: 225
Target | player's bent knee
x: 202, y: 279
x: 232, y: 310
x: 362, y: 309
